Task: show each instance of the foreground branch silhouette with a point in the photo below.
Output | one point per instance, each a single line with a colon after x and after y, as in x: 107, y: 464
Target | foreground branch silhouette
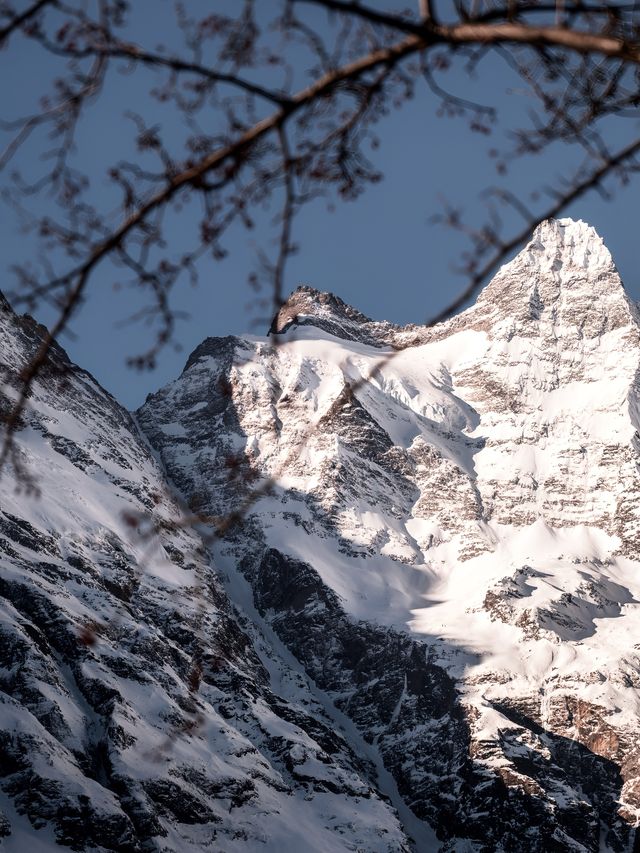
x: 274, y: 139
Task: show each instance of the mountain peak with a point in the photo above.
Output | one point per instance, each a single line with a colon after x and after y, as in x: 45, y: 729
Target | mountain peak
x: 564, y: 279
x: 565, y: 276
x: 307, y: 306
x: 566, y: 243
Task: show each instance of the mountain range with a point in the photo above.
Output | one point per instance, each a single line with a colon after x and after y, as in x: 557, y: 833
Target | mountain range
x: 347, y: 587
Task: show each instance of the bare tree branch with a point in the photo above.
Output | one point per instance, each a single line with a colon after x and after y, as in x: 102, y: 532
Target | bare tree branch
x: 481, y: 33
x: 135, y: 53
x: 16, y: 21
x: 580, y: 70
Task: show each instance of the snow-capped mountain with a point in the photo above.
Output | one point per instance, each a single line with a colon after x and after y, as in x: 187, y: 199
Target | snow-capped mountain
x: 139, y: 710
x: 401, y: 605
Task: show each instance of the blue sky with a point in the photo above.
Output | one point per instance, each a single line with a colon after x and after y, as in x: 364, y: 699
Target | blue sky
x: 380, y: 253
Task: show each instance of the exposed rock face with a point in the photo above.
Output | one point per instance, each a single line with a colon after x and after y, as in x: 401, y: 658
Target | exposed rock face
x: 307, y: 306
x: 138, y: 710
x: 555, y: 387
x: 434, y: 604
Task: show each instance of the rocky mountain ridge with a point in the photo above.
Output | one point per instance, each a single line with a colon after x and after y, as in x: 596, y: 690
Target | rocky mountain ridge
x: 138, y: 709
x: 421, y: 632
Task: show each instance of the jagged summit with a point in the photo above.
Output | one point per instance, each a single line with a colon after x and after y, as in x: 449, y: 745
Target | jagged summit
x: 310, y: 307
x: 306, y: 302
x: 566, y: 243
x: 566, y: 250
x: 563, y: 283
x: 564, y: 277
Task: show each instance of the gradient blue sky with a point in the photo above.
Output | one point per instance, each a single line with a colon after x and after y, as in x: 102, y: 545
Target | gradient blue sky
x: 380, y: 253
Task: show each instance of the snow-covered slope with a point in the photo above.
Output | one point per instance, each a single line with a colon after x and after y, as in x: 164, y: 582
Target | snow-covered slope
x: 450, y: 542
x: 417, y: 624
x: 138, y: 710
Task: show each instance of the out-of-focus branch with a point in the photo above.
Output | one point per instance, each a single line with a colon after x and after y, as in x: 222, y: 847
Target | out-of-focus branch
x: 192, y: 176
x: 482, y: 33
x: 17, y: 21
x: 285, y: 247
x: 313, y: 140
x: 77, y: 278
x: 134, y: 53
